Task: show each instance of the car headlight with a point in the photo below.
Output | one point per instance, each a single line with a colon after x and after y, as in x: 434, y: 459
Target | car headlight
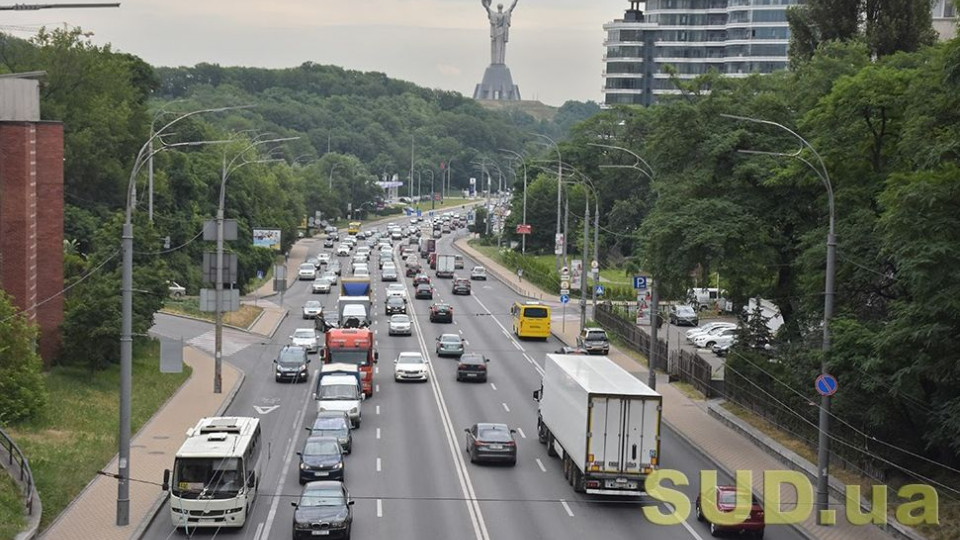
x: 303, y: 467
x: 338, y: 466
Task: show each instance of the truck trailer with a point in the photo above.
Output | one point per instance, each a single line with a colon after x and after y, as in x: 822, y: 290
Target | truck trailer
x: 446, y: 264
x: 601, y: 421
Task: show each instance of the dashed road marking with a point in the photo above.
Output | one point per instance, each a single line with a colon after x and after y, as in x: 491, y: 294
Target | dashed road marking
x: 378, y: 465
x: 522, y: 434
x: 378, y: 433
x: 378, y: 409
x: 493, y: 386
x: 505, y: 407
x: 566, y: 507
x: 379, y: 508
x: 540, y: 464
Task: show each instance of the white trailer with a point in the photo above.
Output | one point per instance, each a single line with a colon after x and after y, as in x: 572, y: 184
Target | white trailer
x: 601, y: 421
x: 446, y: 265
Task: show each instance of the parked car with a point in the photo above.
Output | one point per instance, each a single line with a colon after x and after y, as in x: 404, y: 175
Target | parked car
x: 684, y: 315
x: 175, y: 290
x: 449, y: 345
x: 311, y: 309
x: 472, y: 367
x: 326, y: 502
x: 321, y: 459
x: 410, y: 366
x: 709, y: 339
x: 321, y: 285
x: 424, y: 292
x: 441, y: 313
x: 692, y: 333
x: 571, y: 350
x: 399, y: 325
x: 478, y: 273
x: 312, y: 260
x: 594, y: 340
x: 395, y: 305
x: 307, y: 270
x: 461, y: 286
x: 491, y: 442
x: 726, y: 502
x: 333, y: 424
x: 306, y: 338
x: 722, y: 350
x: 291, y: 364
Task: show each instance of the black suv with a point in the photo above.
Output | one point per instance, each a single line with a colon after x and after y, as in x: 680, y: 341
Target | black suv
x: 395, y: 305
x: 291, y: 364
x: 461, y: 286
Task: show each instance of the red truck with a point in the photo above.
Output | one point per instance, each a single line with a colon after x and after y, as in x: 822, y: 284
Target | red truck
x: 352, y: 346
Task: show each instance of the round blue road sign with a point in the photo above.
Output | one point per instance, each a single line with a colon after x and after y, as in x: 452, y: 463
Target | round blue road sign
x: 826, y: 385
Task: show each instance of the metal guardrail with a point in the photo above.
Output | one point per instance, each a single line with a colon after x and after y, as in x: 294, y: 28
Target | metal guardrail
x: 18, y: 468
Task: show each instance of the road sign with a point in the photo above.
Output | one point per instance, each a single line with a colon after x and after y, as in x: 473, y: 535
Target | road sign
x: 558, y: 244
x: 524, y: 228
x: 564, y: 284
x: 419, y: 213
x: 259, y: 274
x: 594, y: 264
x: 639, y: 282
x: 565, y: 292
x: 826, y: 385
x: 600, y: 289
x: 564, y: 298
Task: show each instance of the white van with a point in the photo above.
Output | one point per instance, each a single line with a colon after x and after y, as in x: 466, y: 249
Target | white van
x: 705, y: 298
x: 340, y: 393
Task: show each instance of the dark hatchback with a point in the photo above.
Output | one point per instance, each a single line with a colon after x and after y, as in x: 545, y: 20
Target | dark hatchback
x: 333, y: 424
x: 684, y: 315
x: 491, y: 442
x: 461, y: 286
x: 472, y: 367
x: 421, y: 279
x: 291, y: 364
x: 395, y: 305
x: 441, y: 313
x: 424, y: 292
x: 323, y: 510
x: 321, y: 459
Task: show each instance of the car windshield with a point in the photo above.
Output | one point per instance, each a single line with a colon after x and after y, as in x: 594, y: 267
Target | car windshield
x: 729, y: 497
x: 322, y: 497
x: 206, y: 477
x: 450, y: 339
x: 304, y: 333
x: 347, y: 356
x: 685, y: 311
x: 331, y: 424
x: 312, y: 304
x: 497, y: 434
x: 321, y: 447
x: 410, y: 359
x: 307, y: 266
x: 400, y: 319
x: 395, y: 301
x: 338, y: 391
x: 396, y: 287
x: 291, y: 357
x: 535, y: 312
x: 471, y: 359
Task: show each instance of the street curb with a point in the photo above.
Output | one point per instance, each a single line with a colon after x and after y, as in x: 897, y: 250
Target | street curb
x: 198, y: 319
x: 157, y: 506
x: 286, y: 313
x: 796, y: 462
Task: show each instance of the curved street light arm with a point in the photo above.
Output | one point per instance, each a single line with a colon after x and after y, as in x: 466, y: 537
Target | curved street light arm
x: 646, y: 169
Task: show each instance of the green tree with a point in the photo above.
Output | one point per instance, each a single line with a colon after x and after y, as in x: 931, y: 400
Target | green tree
x: 22, y: 390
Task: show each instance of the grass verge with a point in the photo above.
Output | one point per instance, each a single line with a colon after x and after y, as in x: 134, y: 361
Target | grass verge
x: 12, y: 519
x: 76, y: 434
x: 190, y: 306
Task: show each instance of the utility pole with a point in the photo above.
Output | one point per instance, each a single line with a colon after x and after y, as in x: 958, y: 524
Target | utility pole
x: 411, y: 166
x: 566, y: 222
x: 583, y: 269
x: 37, y: 7
x: 654, y: 319
x: 596, y: 255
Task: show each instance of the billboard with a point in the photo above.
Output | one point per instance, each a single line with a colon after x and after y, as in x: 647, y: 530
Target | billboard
x: 267, y: 238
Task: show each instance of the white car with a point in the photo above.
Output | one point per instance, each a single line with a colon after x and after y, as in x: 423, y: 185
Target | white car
x: 306, y: 338
x: 331, y: 275
x: 410, y: 366
x: 312, y: 309
x: 400, y: 326
x: 478, y: 272
x: 359, y: 259
x: 397, y: 289
x: 361, y: 271
x: 307, y: 271
x: 695, y: 332
x: 321, y: 285
x: 176, y: 290
x: 343, y: 250
x: 709, y: 339
x: 725, y: 341
x: 324, y: 258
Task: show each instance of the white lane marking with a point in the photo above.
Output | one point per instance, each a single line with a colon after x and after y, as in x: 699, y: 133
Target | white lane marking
x: 522, y: 434
x: 378, y: 389
x: 540, y: 464
x: 566, y: 507
x: 515, y: 344
x: 504, y: 330
x: 256, y: 535
x: 461, y: 332
x: 272, y: 514
x: 493, y: 386
x: 378, y: 409
x: 505, y: 407
x: 463, y: 475
x: 376, y: 370
x: 375, y: 332
x: 686, y: 525
x: 379, y: 508
x: 378, y: 433
x: 379, y: 465
x: 535, y: 365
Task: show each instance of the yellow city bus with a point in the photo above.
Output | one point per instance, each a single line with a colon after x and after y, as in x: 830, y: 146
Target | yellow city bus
x: 531, y: 320
x: 353, y: 228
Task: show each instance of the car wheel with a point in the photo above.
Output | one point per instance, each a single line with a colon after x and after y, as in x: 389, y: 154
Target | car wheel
x: 710, y: 344
x: 758, y: 534
x: 714, y: 530
x: 699, y: 512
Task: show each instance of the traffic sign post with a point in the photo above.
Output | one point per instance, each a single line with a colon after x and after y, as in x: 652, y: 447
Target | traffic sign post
x: 600, y: 290
x: 564, y: 298
x: 640, y: 282
x: 826, y: 384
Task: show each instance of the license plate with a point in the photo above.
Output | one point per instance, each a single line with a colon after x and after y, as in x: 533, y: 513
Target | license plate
x: 320, y: 533
x: 496, y: 447
x: 621, y: 480
x: 319, y: 474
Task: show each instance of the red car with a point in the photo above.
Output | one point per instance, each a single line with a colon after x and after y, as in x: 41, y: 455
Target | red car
x: 421, y: 278
x: 726, y: 502
x: 413, y: 270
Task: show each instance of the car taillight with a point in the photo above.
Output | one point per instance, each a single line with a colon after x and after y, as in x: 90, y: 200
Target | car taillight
x: 482, y: 367
x: 592, y: 484
x: 510, y: 443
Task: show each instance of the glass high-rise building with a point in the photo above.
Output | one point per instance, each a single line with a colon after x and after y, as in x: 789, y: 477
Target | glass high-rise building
x: 733, y: 37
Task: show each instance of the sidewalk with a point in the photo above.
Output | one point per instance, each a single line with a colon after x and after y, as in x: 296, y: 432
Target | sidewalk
x: 726, y: 448
x: 92, y: 515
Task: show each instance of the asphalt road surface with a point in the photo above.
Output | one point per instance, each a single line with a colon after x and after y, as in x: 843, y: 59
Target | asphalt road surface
x: 408, y: 472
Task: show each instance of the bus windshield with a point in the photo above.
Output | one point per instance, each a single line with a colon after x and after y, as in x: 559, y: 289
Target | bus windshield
x: 207, y: 478
x: 535, y: 312
x: 354, y: 357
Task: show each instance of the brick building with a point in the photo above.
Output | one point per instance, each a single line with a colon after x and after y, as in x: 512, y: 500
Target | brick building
x: 31, y: 208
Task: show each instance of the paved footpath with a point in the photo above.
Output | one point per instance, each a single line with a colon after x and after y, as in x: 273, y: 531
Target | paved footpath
x: 729, y: 450
x: 92, y: 515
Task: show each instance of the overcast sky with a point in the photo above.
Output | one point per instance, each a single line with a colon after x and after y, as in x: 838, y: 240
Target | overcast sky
x: 554, y: 52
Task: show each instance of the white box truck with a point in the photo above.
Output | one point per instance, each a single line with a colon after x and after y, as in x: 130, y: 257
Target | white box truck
x: 446, y: 264
x: 601, y: 421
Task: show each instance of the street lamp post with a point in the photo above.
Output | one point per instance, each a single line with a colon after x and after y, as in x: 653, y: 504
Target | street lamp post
x: 126, y: 306
x: 823, y: 453
x: 433, y: 195
x: 559, y: 189
x: 330, y: 182
x: 523, y: 237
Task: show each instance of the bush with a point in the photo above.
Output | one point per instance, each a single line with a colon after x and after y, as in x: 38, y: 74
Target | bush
x: 22, y: 391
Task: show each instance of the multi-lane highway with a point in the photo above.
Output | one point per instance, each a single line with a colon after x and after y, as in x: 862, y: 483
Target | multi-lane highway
x: 408, y: 471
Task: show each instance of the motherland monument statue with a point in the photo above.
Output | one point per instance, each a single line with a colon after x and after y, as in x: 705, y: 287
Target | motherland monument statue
x: 497, y: 82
